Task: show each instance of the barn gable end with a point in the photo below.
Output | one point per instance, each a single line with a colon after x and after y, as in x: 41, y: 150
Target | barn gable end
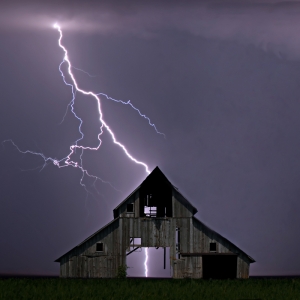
x: 156, y: 214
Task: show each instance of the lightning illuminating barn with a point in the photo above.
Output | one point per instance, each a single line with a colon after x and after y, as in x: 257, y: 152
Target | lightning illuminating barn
x: 156, y: 215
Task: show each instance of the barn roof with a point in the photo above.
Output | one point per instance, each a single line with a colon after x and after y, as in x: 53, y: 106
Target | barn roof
x: 156, y: 173
x: 114, y: 220
x: 222, y: 237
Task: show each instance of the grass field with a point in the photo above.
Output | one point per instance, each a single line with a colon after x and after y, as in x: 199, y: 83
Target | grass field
x: 118, y: 289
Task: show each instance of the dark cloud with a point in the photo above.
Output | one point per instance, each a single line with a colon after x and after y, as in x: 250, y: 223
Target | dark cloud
x: 270, y: 25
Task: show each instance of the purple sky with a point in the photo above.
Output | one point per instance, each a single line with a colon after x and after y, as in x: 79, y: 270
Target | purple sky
x: 219, y: 78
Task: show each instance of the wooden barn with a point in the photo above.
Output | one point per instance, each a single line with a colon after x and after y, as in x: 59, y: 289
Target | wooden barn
x: 155, y: 214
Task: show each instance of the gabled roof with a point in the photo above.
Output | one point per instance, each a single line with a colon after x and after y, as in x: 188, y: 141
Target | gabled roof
x: 158, y: 173
x: 108, y: 224
x: 222, y: 237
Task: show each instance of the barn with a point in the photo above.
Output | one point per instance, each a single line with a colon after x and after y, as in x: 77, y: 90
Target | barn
x: 157, y: 215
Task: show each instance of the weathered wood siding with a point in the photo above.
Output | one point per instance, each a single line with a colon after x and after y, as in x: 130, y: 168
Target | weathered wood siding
x: 181, y: 207
x: 243, y: 265
x: 195, y: 239
x: 122, y: 210
x: 85, y: 262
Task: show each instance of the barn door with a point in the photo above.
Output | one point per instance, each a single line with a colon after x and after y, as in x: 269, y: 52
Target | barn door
x: 219, y: 266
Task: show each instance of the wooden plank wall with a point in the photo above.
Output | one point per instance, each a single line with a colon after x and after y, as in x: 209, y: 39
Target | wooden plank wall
x: 85, y: 262
x: 180, y: 207
x: 122, y: 210
x: 195, y: 237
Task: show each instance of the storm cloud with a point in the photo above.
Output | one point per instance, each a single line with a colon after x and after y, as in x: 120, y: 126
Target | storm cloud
x: 270, y: 25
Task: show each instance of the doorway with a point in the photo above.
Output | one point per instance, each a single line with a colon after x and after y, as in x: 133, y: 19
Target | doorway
x: 219, y: 266
x: 149, y: 262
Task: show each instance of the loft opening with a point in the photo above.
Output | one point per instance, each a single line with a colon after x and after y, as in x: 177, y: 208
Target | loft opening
x: 156, y: 197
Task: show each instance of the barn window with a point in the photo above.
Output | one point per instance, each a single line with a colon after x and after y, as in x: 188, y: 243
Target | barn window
x: 99, y: 247
x: 135, y: 241
x: 130, y: 208
x: 213, y: 247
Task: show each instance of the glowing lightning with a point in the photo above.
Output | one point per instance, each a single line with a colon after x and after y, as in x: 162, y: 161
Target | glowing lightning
x: 92, y: 76
x: 145, y: 263
x: 68, y: 161
x: 136, y: 109
x: 103, y: 123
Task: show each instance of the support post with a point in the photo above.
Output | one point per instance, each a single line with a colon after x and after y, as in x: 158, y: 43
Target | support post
x: 164, y: 257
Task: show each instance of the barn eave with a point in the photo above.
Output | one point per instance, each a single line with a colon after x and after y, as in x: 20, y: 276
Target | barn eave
x: 98, y: 231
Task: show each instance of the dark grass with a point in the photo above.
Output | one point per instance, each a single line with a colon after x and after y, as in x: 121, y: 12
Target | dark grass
x: 55, y: 288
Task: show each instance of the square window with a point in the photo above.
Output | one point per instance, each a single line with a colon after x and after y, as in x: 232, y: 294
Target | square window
x: 130, y: 207
x: 213, y: 247
x: 99, y: 247
x: 135, y: 241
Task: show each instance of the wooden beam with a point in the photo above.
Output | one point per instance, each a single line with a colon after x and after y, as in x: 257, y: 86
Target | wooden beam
x: 132, y: 250
x: 201, y: 254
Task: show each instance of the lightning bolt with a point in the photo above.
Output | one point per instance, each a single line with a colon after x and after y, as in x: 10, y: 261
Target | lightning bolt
x: 75, y: 86
x: 145, y: 263
x: 67, y: 160
x: 136, y: 109
x: 103, y: 123
x: 92, y: 76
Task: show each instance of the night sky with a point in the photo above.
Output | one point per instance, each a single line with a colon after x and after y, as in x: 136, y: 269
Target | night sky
x: 221, y: 79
